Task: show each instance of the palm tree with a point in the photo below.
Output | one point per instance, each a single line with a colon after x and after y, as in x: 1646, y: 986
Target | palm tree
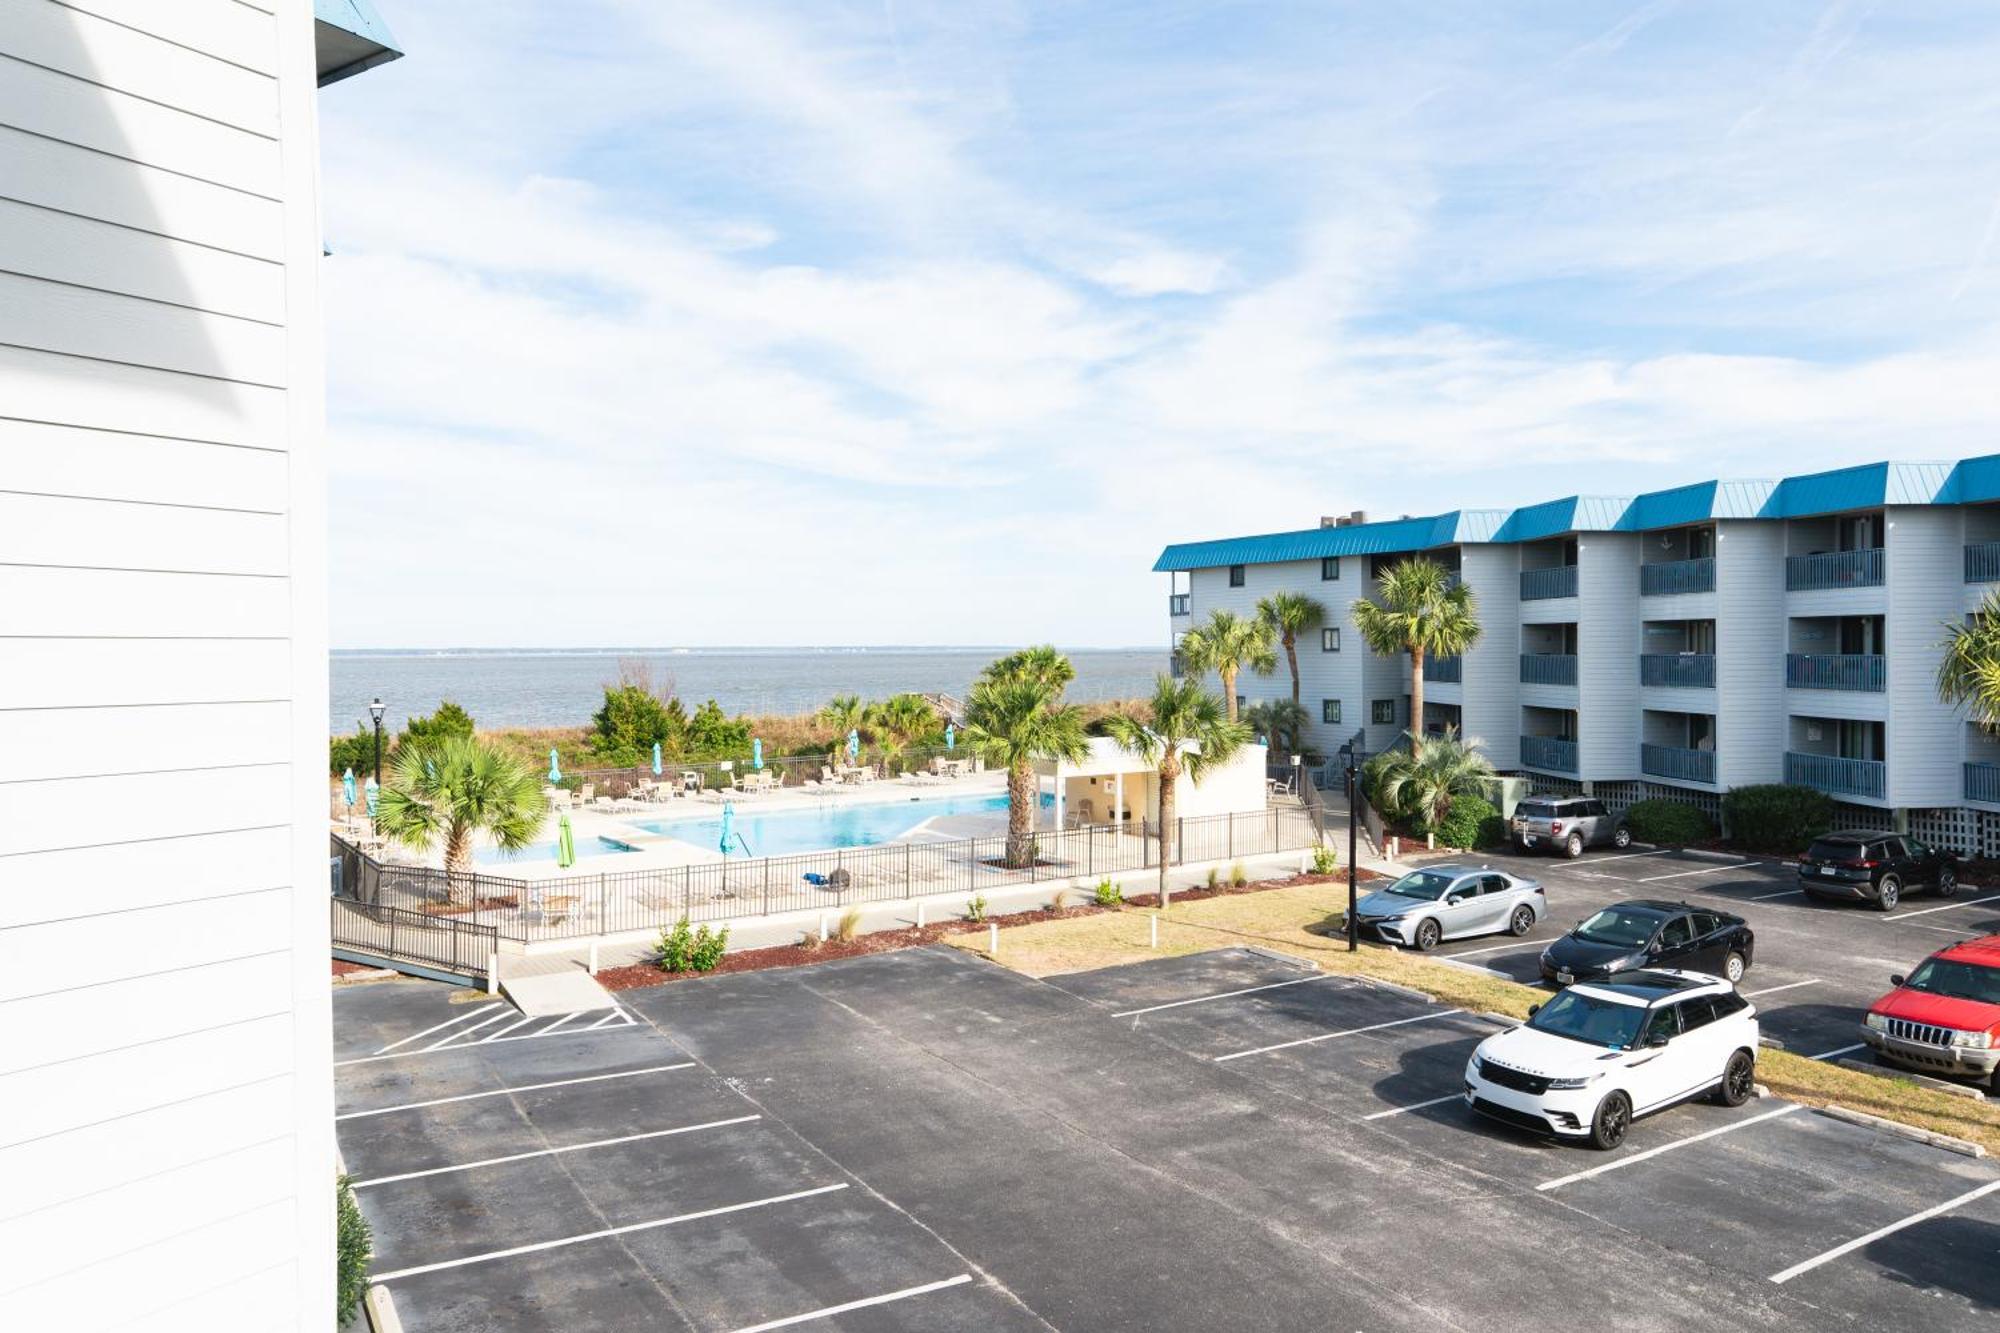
x: 841, y: 714
x: 449, y: 790
x: 1424, y: 612
x: 1290, y: 614
x: 1190, y: 733
x: 1227, y: 645
x: 1969, y: 672
x: 902, y: 716
x: 1280, y: 722
x: 1424, y: 784
x: 1012, y: 723
x: 1040, y: 662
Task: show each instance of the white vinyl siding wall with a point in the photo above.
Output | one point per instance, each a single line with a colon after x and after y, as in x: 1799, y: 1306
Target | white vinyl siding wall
x: 1923, y: 574
x: 1489, y: 693
x: 167, y: 1121
x: 1750, y: 725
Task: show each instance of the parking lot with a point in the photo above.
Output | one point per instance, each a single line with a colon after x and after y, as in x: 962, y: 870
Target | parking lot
x: 1216, y: 1141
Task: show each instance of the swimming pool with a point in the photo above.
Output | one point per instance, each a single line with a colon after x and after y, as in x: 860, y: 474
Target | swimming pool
x: 546, y: 851
x: 782, y: 833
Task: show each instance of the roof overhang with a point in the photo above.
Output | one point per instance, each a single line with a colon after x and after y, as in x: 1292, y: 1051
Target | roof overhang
x: 349, y: 37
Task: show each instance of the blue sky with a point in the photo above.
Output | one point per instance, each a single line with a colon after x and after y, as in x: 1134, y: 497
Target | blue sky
x: 912, y: 322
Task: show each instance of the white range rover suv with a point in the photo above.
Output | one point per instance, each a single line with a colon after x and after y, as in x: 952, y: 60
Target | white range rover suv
x: 1603, y: 1053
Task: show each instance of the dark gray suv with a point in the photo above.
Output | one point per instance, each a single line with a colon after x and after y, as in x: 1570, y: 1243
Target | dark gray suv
x: 1567, y: 824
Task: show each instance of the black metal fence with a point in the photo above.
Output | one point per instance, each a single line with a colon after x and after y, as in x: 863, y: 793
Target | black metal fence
x: 619, y: 901
x: 396, y: 934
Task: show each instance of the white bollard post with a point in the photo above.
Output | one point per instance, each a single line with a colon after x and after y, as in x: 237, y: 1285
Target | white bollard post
x: 593, y: 958
x: 492, y: 974
x: 920, y: 914
x: 993, y: 938
x: 1156, y: 931
x: 822, y: 928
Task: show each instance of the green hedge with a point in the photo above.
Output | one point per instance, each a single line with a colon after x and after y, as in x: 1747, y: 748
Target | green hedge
x: 1774, y: 817
x: 1670, y: 823
x: 1471, y: 822
x: 354, y: 1247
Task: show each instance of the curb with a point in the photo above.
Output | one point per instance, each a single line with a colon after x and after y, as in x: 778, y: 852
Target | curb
x: 1922, y: 1080
x: 1771, y: 1043
x: 1962, y: 1147
x: 1504, y: 1020
x: 1410, y: 991
x: 1303, y: 964
x: 380, y: 1307
x: 1762, y: 1092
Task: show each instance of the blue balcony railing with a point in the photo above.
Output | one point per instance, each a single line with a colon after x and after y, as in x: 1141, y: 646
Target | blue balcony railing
x: 1548, y: 752
x: 1666, y: 578
x: 1836, y: 671
x: 1448, y: 670
x: 1689, y: 670
x: 1177, y: 603
x: 1538, y: 585
x: 1677, y: 763
x: 1834, y: 569
x: 1836, y: 776
x: 1548, y: 668
x: 1982, y: 783
x: 1982, y: 562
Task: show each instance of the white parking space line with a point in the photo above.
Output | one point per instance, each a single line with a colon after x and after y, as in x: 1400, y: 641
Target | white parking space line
x: 1498, y: 948
x: 1773, y: 990
x: 1926, y: 911
x: 1626, y: 856
x: 1781, y: 893
x: 438, y: 1027
x: 1344, y: 1032
x: 1475, y: 967
x: 559, y: 1022
x: 830, y: 1311
x: 1224, y: 995
x: 526, y: 1019
x: 1705, y: 870
x: 615, y: 1014
x: 1638, y: 1157
x: 451, y: 1047
x: 1844, y: 1050
x: 1962, y: 934
x: 1926, y: 1215
x: 505, y: 1012
x: 626, y: 1230
x: 1398, y: 1110
x: 553, y: 1152
x: 502, y: 1092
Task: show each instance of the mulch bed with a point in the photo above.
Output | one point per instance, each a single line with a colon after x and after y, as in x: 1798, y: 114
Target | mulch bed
x: 1255, y: 886
x: 343, y: 968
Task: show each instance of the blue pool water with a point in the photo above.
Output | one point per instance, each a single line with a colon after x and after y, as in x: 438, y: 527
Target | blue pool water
x: 782, y: 833
x: 546, y: 851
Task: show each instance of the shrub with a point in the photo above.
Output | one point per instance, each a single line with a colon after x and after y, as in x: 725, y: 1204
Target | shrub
x: 1237, y: 876
x: 975, y: 907
x: 1670, y: 823
x: 676, y: 946
x: 1214, y: 876
x: 1059, y: 900
x: 1775, y: 817
x: 1465, y: 823
x: 1109, y: 894
x: 1325, y: 860
x: 709, y: 946
x: 354, y: 1247
x: 850, y: 924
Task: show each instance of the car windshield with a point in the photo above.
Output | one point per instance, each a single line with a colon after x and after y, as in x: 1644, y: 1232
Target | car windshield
x: 1425, y: 884
x: 1961, y: 981
x: 1619, y: 925
x: 1588, y: 1019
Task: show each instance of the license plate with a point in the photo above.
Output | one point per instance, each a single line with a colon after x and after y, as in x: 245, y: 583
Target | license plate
x: 1565, y: 977
x: 1527, y: 840
x: 1828, y: 870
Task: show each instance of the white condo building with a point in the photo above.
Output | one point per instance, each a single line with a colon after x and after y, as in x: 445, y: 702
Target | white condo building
x: 166, y: 1138
x: 1672, y: 644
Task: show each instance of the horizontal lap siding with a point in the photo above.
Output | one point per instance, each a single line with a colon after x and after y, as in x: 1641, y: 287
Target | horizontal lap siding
x: 87, y: 47
x: 81, y: 603
x: 126, y: 876
x: 44, y: 459
x: 61, y: 247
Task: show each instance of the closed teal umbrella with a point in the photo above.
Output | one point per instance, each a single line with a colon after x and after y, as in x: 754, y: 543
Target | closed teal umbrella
x: 565, y: 844
x: 757, y: 753
x: 728, y: 825
x: 950, y: 737
x: 347, y: 788
x: 656, y: 759
x: 555, y: 767
x: 853, y: 744
x: 374, y: 798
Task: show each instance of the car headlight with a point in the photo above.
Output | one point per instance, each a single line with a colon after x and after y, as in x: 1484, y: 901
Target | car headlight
x: 1877, y: 1021
x: 1978, y: 1041
x: 1478, y: 1066
x: 1572, y: 1084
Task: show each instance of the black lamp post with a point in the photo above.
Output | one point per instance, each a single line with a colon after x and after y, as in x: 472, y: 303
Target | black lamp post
x: 1351, y: 755
x: 375, y: 710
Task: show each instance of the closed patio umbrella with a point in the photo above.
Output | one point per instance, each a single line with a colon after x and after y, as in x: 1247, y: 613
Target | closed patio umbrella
x: 374, y: 798
x: 656, y: 759
x: 555, y: 767
x: 950, y: 737
x: 347, y: 788
x: 565, y: 844
x: 757, y: 753
x: 853, y: 745
x: 728, y: 825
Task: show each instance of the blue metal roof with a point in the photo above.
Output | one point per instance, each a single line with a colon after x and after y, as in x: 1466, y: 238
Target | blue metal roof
x: 351, y: 37
x: 1867, y: 486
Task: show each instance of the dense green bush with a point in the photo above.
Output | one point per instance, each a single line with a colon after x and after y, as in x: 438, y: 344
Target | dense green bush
x: 632, y: 720
x: 1326, y: 860
x: 354, y: 1246
x: 1109, y: 894
x: 1466, y: 823
x: 1775, y: 817
x: 686, y: 949
x: 358, y: 750
x: 1669, y: 823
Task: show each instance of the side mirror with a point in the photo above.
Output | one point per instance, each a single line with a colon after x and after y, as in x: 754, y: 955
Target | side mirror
x: 1896, y: 978
x: 1453, y: 901
x: 1656, y: 1042
x: 1534, y: 1009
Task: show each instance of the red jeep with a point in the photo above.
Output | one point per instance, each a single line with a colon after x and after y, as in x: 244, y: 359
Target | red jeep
x: 1944, y: 1018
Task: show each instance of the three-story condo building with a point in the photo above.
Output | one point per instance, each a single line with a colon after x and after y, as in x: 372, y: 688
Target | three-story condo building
x: 1677, y: 643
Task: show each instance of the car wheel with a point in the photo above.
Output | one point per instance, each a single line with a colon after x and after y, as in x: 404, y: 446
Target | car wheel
x: 1427, y: 936
x: 1613, y: 1118
x: 1947, y: 881
x: 1622, y: 838
x: 1733, y: 967
x: 1888, y: 893
x: 1574, y: 847
x: 1739, y: 1080
x: 1522, y: 921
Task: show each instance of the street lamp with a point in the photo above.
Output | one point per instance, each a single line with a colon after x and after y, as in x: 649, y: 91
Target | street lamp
x: 375, y: 710
x: 1351, y: 756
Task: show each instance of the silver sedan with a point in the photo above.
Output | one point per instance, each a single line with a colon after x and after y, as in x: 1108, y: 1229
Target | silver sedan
x: 1450, y: 902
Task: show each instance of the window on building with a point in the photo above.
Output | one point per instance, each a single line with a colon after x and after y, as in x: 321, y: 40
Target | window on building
x: 1329, y: 710
x: 1383, y: 712
x: 1236, y: 576
x: 1329, y: 568
x: 1329, y: 640
x: 1241, y: 702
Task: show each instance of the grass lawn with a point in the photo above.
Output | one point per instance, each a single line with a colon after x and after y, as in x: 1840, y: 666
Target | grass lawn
x: 1303, y: 920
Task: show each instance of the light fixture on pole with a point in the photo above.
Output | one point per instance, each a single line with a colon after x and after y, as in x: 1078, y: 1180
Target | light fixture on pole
x: 375, y: 710
x: 1351, y: 756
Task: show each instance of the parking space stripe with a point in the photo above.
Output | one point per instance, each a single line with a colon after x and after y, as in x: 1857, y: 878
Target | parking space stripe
x: 525, y: 1020
x: 576, y: 1013
x: 1475, y: 967
x: 1926, y: 911
x: 1781, y: 893
x: 626, y: 1230
x: 505, y: 1010
x: 1705, y: 870
x: 615, y: 1013
x: 552, y: 1152
x: 1498, y: 948
x: 1344, y: 1032
x: 437, y: 1027
x: 1773, y: 990
x: 1222, y: 995
x: 1828, y: 1055
x: 498, y: 1040
x: 1943, y: 930
x: 1638, y: 1157
x: 502, y: 1092
x: 1435, y: 1101
x: 1926, y: 1215
x: 832, y: 1310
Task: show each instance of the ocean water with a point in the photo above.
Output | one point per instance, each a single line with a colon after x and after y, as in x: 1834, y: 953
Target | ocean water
x: 561, y: 687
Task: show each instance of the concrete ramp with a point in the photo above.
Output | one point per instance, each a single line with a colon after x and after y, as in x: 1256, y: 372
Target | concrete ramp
x: 570, y: 991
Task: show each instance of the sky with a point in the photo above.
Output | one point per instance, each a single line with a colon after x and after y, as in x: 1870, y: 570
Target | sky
x: 921, y: 322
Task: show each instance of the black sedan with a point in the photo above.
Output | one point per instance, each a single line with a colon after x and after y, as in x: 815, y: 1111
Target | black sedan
x: 1651, y: 934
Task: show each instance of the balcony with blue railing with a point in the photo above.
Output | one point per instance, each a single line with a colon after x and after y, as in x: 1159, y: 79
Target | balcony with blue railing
x: 1682, y: 670
x: 1982, y: 562
x: 1548, y: 752
x: 1982, y: 783
x: 1177, y: 603
x: 1677, y: 763
x: 1836, y: 671
x: 1668, y: 578
x: 1548, y: 668
x: 1836, y: 776
x: 1445, y: 670
x: 1538, y: 585
x: 1834, y: 569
